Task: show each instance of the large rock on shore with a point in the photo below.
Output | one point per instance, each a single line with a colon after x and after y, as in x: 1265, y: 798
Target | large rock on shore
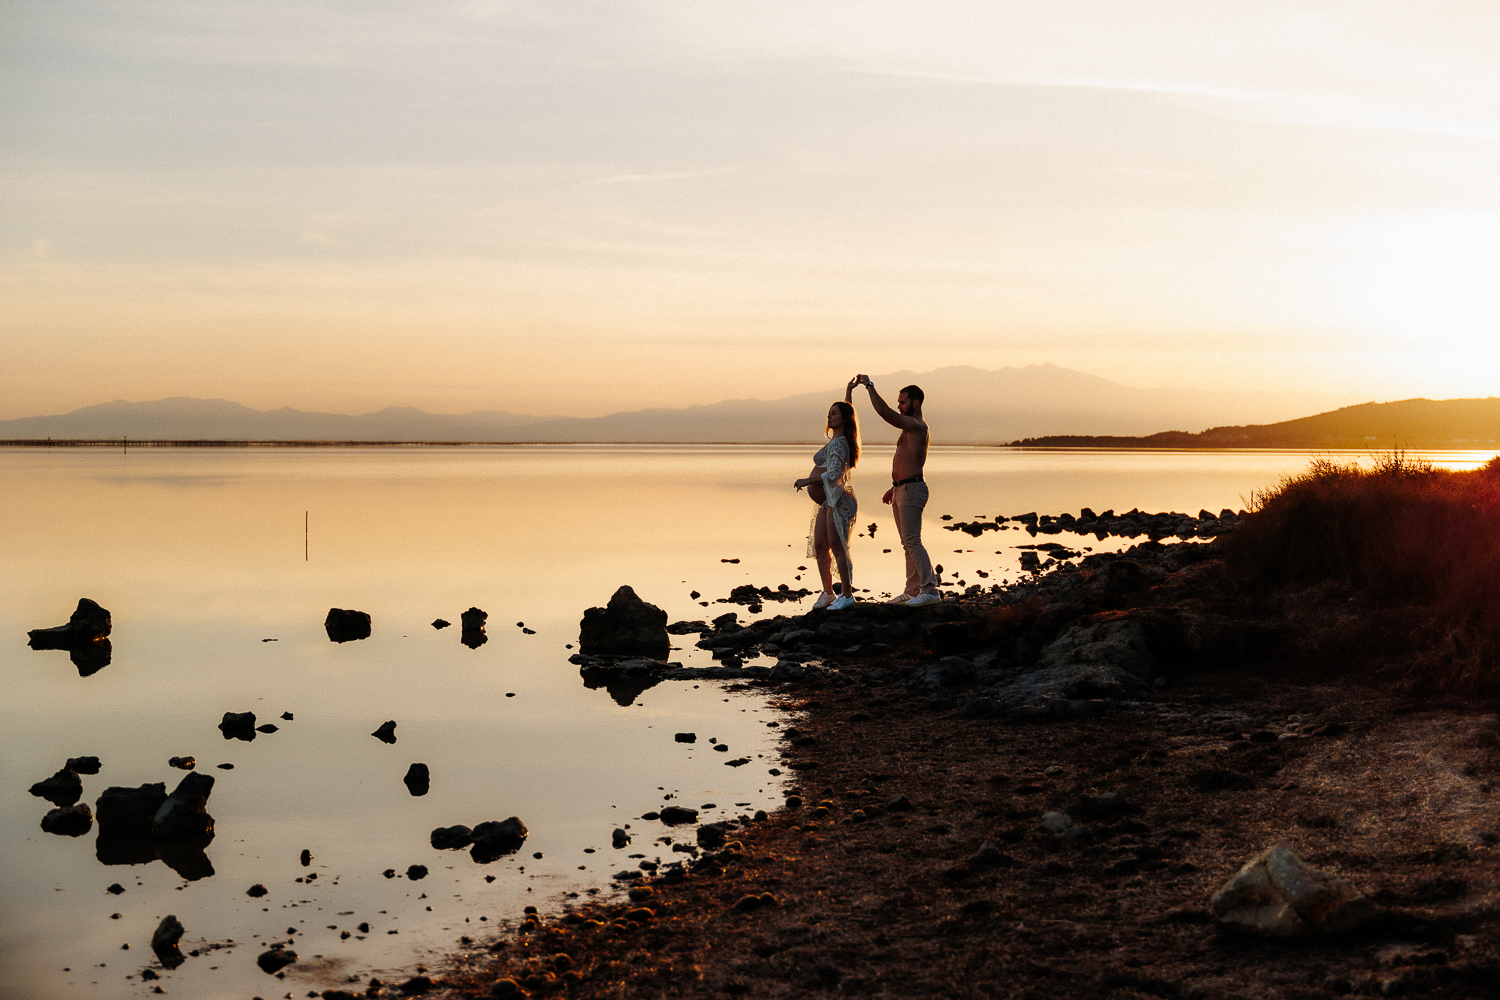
x: 1276, y: 895
x: 88, y: 623
x: 627, y: 626
x: 1101, y: 657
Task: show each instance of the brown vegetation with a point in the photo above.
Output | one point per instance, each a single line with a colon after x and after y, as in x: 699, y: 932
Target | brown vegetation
x: 1421, y: 539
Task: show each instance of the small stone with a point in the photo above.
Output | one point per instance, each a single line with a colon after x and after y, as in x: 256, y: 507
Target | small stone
x: 386, y: 733
x: 619, y: 838
x: 451, y: 838
x: 83, y: 765
x: 686, y: 737
x: 256, y: 891
x: 416, y: 872
x: 115, y: 889
x: 184, y: 763
x: 440, y: 623
x: 1056, y: 823
x: 276, y: 959
x: 418, y: 779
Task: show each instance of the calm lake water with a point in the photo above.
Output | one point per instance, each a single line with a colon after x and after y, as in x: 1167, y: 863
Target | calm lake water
x: 199, y: 555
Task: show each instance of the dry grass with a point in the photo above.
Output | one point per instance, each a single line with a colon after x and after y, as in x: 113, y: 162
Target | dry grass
x: 1398, y: 529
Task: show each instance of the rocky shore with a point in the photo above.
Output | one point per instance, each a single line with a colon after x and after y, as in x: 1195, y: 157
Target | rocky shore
x: 1038, y: 791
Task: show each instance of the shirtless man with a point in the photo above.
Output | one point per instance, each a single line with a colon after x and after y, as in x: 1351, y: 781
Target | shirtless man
x: 908, y: 493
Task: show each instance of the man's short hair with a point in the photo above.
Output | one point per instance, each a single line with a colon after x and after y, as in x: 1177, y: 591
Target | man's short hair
x: 913, y: 392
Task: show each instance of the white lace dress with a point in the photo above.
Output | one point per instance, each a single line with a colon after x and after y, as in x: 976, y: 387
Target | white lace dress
x: 833, y: 458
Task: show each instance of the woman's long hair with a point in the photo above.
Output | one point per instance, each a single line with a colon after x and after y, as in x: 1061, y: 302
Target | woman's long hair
x: 849, y: 431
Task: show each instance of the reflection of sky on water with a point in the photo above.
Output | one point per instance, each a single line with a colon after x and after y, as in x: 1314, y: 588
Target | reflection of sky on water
x: 199, y: 556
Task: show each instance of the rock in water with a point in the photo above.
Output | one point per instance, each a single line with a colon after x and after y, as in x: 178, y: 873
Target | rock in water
x: 1276, y: 895
x: 494, y: 840
x: 238, y: 726
x: 69, y: 821
x: 387, y: 732
x: 84, y: 765
x: 62, y: 789
x: 451, y: 838
x: 675, y: 815
x: 88, y: 622
x: 273, y: 961
x: 472, y: 634
x: 627, y: 626
x: 185, y: 812
x: 164, y: 942
x: 345, y: 626
x: 128, y: 812
x: 418, y: 779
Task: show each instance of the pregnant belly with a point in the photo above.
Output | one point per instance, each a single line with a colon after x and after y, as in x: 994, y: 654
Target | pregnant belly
x: 818, y: 494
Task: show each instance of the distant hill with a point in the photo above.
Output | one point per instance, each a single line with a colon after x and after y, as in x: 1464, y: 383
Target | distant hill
x: 1408, y: 423
x: 964, y: 405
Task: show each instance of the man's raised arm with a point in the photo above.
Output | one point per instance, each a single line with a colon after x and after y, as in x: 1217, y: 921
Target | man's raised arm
x: 890, y: 416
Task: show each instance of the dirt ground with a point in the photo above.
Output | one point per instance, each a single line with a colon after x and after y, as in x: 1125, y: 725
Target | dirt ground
x: 854, y: 891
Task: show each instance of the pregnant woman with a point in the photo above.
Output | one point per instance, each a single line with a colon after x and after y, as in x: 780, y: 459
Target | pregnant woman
x: 828, y: 485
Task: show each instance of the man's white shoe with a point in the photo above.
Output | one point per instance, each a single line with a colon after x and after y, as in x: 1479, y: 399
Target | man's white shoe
x: 901, y: 598
x: 844, y: 601
x: 824, y: 599
x: 922, y: 600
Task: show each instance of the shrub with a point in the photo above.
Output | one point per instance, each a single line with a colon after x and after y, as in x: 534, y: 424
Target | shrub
x: 1397, y: 529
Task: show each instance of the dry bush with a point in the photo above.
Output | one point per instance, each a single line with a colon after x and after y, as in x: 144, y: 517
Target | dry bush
x: 1399, y: 530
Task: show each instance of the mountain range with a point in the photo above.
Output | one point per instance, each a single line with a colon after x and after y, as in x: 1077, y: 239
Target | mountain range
x: 964, y: 405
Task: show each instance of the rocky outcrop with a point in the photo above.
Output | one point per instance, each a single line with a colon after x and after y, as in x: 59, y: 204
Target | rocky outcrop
x: 64, y: 788
x: 496, y: 839
x: 343, y: 625
x: 184, y: 813
x: 417, y: 780
x: 1276, y: 895
x: 68, y: 821
x: 84, y: 637
x: 164, y: 942
x: 87, y: 623
x: 627, y: 626
x: 472, y: 633
x: 238, y: 726
x: 128, y: 812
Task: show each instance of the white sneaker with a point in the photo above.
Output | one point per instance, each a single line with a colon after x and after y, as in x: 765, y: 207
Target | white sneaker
x: 922, y: 600
x: 844, y: 601
x: 824, y: 599
x: 901, y: 598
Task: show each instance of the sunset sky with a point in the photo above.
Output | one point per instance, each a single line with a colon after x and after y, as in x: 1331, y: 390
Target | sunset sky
x: 576, y: 207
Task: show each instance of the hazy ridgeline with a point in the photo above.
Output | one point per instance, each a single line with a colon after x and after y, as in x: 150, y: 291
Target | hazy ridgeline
x: 1402, y: 532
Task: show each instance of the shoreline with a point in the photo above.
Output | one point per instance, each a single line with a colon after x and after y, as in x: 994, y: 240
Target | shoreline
x: 913, y: 856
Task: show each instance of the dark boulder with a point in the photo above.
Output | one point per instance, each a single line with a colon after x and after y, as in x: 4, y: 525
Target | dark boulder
x: 238, y: 726
x: 276, y: 959
x: 711, y: 835
x: 184, y: 813
x: 62, y: 789
x: 451, y: 838
x: 676, y: 815
x: 440, y: 623
x: 627, y: 626
x: 164, y: 942
x: 473, y: 628
x: 84, y: 765
x: 91, y: 657
x: 493, y: 840
x: 127, y: 812
x: 88, y: 622
x: 418, y: 779
x: 345, y: 626
x: 387, y: 732
x: 69, y: 821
